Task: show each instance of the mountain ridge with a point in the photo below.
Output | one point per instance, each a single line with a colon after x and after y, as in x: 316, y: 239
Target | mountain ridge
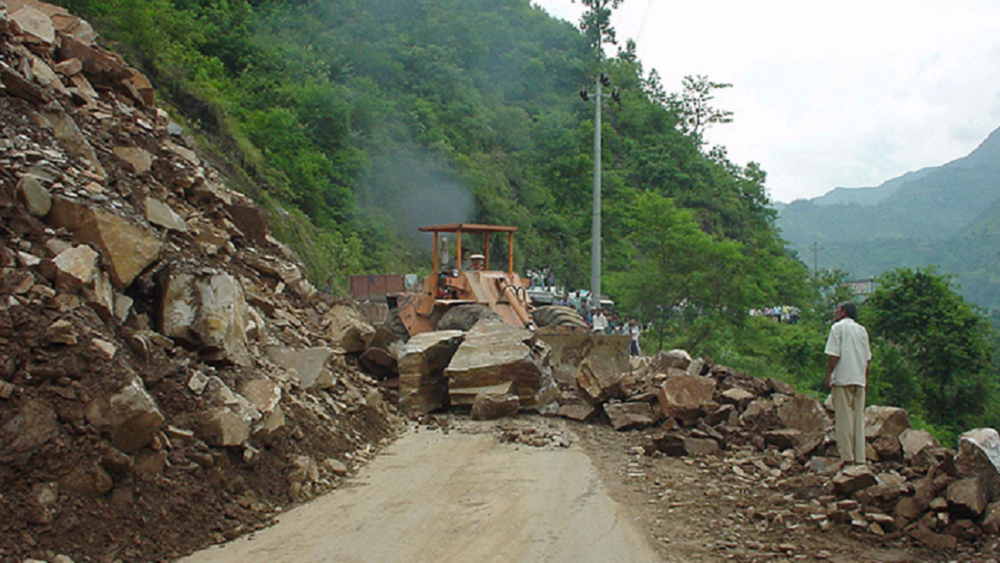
x: 921, y: 218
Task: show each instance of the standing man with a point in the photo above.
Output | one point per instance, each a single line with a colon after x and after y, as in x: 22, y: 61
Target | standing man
x: 536, y: 279
x: 600, y: 325
x: 847, y: 377
x: 634, y: 331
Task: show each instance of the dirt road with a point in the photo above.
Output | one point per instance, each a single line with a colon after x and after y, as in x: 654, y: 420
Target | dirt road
x: 460, y: 496
x: 466, y: 494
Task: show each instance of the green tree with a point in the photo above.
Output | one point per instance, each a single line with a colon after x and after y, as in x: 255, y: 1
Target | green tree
x: 695, y: 105
x: 681, y: 273
x: 930, y: 339
x: 596, y: 23
x: 829, y: 289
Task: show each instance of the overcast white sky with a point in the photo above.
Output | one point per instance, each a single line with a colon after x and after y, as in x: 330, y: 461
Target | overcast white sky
x: 825, y: 95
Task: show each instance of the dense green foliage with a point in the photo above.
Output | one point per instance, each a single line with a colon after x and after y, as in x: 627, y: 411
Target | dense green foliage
x: 933, y: 354
x: 973, y: 258
x: 934, y: 351
x: 372, y: 118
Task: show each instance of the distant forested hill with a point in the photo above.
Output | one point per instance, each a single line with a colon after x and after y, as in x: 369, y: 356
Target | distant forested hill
x: 947, y: 215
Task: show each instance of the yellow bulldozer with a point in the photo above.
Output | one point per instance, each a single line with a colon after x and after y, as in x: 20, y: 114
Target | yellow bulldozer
x: 454, y: 297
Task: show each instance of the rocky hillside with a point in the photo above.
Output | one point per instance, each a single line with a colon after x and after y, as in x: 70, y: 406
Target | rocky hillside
x: 168, y: 378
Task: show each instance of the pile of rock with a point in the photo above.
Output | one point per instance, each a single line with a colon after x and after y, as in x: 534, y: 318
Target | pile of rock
x: 910, y: 485
x: 160, y: 351
x: 494, y: 368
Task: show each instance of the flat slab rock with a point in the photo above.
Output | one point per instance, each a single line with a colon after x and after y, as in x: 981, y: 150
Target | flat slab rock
x: 494, y: 353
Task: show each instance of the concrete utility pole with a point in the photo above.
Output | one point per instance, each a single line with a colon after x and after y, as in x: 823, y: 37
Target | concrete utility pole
x: 595, y: 243
x: 815, y: 249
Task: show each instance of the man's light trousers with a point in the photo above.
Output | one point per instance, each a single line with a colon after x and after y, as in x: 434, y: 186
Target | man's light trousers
x: 849, y: 409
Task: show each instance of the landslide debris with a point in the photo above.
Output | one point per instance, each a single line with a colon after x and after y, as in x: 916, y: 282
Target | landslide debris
x: 168, y: 377
x: 766, y: 456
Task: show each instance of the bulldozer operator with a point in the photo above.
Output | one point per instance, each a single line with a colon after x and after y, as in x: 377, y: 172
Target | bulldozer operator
x: 477, y: 262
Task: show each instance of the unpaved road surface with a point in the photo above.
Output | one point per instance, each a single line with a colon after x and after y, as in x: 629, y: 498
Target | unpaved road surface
x: 456, y: 496
x: 509, y: 491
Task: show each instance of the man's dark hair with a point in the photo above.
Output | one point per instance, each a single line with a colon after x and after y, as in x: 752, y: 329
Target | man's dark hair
x: 850, y: 309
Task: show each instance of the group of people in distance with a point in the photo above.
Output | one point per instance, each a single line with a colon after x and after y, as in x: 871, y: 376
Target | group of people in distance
x: 596, y: 318
x: 788, y: 314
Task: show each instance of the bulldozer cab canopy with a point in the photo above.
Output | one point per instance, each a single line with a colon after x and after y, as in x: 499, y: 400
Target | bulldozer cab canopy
x: 460, y: 229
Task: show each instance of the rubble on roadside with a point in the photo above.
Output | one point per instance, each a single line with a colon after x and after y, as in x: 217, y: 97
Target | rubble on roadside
x: 769, y: 434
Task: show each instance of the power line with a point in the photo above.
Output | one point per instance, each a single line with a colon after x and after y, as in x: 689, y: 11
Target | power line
x: 643, y: 24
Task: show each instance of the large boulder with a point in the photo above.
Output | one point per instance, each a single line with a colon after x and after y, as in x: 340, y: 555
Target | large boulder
x: 685, y: 396
x: 90, y: 480
x: 162, y: 215
x: 991, y: 520
x: 493, y: 353
x: 33, y: 426
x: 36, y: 26
x: 604, y: 354
x: 967, y: 497
x: 597, y: 385
x: 262, y: 393
x: 885, y: 421
x: 737, y: 396
x: 804, y: 414
x: 207, y: 310
x: 492, y: 406
x: 217, y: 393
x: 131, y: 416
x: 914, y: 441
x: 630, y: 416
x: 308, y: 365
x: 75, y: 267
x: 853, y: 479
x: 65, y: 129
x: 127, y: 247
x: 381, y: 362
x: 671, y: 359
x: 220, y: 426
x: 422, y: 361
x: 979, y: 456
x: 35, y: 196
x: 346, y: 328
x: 137, y: 158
